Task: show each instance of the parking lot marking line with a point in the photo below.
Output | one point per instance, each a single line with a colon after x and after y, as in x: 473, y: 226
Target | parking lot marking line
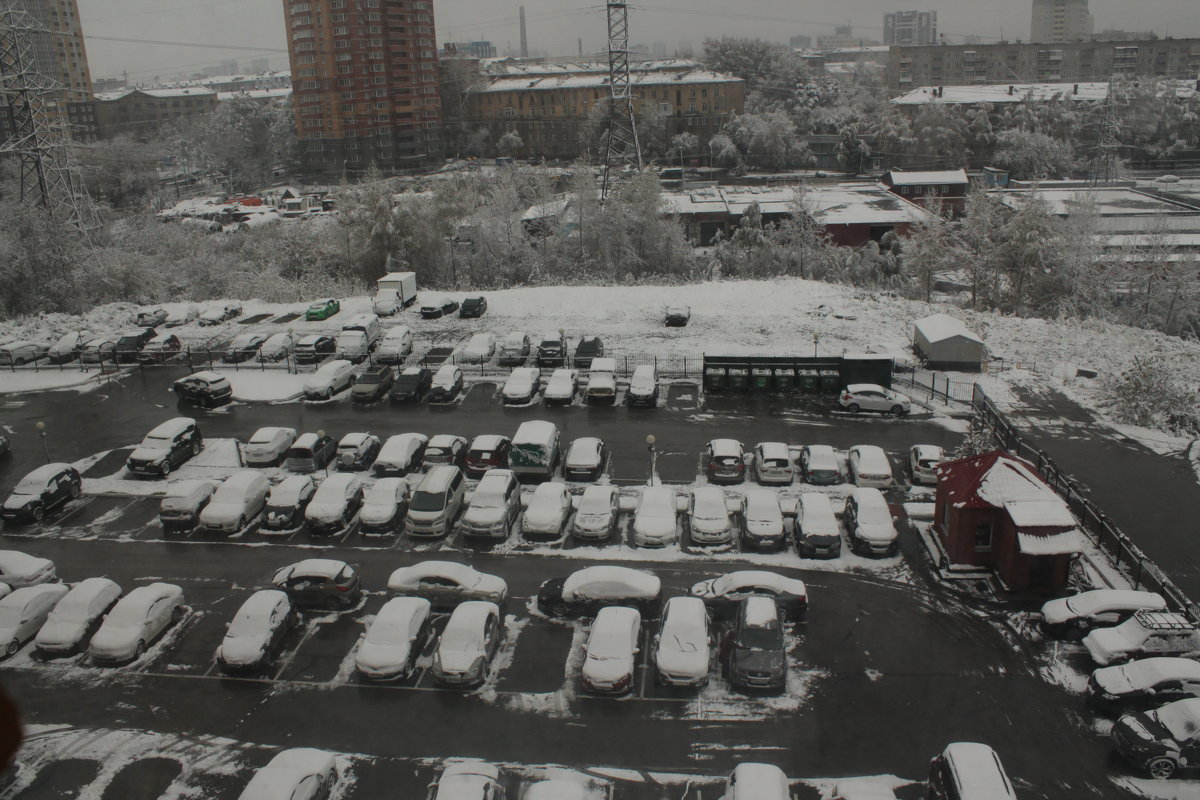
x: 86, y: 501
x: 288, y: 661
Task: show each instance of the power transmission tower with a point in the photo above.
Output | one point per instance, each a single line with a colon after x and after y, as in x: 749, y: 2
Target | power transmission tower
x: 621, y: 149
x: 46, y: 175
x: 1108, y: 143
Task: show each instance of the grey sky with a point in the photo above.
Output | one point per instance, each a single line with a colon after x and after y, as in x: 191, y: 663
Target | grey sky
x: 556, y: 25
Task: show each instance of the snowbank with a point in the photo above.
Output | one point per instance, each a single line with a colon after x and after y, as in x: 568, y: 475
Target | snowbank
x: 42, y: 380
x: 265, y: 386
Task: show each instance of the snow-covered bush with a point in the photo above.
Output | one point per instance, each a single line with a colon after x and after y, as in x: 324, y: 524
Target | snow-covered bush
x: 1150, y: 393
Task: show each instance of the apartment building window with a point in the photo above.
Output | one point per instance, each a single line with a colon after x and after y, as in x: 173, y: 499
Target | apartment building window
x: 344, y: 70
x: 381, y: 92
x: 304, y: 47
x: 341, y: 31
x: 302, y: 34
x: 309, y: 85
x: 508, y: 112
x: 341, y: 44
x: 380, y: 79
x: 338, y: 18
x: 374, y: 16
x: 375, y: 54
x: 347, y: 109
x: 378, y: 67
x: 307, y: 72
x: 305, y: 59
x: 298, y: 21
x: 344, y: 57
x: 312, y: 123
x: 300, y: 8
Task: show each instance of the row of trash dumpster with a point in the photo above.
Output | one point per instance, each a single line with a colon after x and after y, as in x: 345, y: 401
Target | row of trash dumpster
x: 771, y: 379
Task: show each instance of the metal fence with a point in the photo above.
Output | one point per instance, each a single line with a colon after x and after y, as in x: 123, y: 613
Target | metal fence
x: 1125, y: 555
x: 936, y: 386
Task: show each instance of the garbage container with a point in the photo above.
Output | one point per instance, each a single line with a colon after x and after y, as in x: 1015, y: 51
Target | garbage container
x: 761, y: 379
x: 807, y: 381
x: 739, y: 377
x: 831, y: 381
x: 714, y: 379
x: 785, y: 379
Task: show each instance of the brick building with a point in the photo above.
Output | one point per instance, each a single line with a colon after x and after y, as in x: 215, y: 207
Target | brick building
x: 58, y: 53
x: 140, y: 113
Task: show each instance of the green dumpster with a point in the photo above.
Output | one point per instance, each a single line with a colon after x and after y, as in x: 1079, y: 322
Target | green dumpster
x: 761, y: 381
x: 785, y: 379
x: 714, y: 379
x: 807, y: 380
x: 739, y: 377
x: 831, y: 381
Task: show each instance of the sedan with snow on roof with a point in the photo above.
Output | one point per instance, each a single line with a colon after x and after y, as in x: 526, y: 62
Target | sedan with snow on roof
x: 681, y: 646
x: 486, y: 451
x: 586, y: 458
x: 586, y: 591
x: 1073, y: 617
x: 277, y: 347
x: 394, y: 640
x: 182, y: 315
x: 1144, y: 683
x: 335, y: 504
x: 67, y: 348
x: 438, y: 307
x: 239, y: 499
x: 76, y: 617
x: 445, y: 584
x: 444, y: 448
x: 521, y: 386
x: 268, y: 446
x: 467, y: 645
x: 819, y: 465
x: 467, y: 779
x: 762, y: 520
x: 869, y: 523
x: 314, y: 348
x: 215, y: 315
x: 24, y: 611
x: 286, y: 504
x: 322, y: 309
x: 656, y: 521
x: 923, y: 461
x: 19, y: 353
x: 244, y: 347
x: 479, y: 349
x: 596, y: 517
x: 19, y: 569
x: 1146, y: 633
x: 161, y: 349
x: 383, y: 508
x: 99, y: 350
x: 357, y: 451
x: 401, y: 454
x: 168, y: 445
x: 41, y: 491
x: 610, y: 658
x: 135, y: 622
x: 320, y: 583
x: 447, y: 384
x: 643, y: 387
x: 297, y: 774
x: 724, y: 461
x: 150, y: 317
x: 772, y: 463
x: 205, y: 389
x: 709, y: 519
x: 513, y: 349
x: 754, y: 652
x: 373, y: 384
x: 547, y: 513
x: 723, y: 593
x: 331, y: 378
x: 869, y: 466
x: 561, y: 388
x: 256, y: 632
x: 872, y: 397
x: 1162, y: 741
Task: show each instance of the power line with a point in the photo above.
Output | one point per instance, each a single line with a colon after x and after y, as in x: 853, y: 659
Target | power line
x: 189, y: 44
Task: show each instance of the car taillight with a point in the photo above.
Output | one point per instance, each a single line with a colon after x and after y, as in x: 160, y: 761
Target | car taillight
x: 712, y: 465
x: 343, y: 588
x: 847, y: 396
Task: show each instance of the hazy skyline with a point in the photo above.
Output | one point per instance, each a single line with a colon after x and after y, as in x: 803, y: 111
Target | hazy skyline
x: 235, y: 26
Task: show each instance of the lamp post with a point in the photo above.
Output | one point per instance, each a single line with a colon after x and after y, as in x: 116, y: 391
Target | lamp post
x: 41, y: 426
x: 320, y: 436
x: 650, y: 446
x: 816, y: 338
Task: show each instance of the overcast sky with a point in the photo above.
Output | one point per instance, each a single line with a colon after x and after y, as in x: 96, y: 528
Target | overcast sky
x: 556, y: 25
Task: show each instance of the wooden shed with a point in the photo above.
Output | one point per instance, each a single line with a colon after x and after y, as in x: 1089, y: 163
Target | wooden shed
x: 944, y: 342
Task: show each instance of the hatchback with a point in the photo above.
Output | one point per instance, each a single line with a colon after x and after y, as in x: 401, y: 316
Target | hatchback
x: 596, y: 517
x: 872, y: 397
x: 772, y: 463
x: 754, y: 652
x: 467, y: 644
x: 438, y: 307
x: 256, y: 632
x: 547, y: 513
x: 819, y: 465
x: 244, y: 347
x: 480, y: 348
x: 475, y: 306
x: 314, y: 348
x: 923, y: 461
x: 204, y: 389
x: 401, y: 454
x: 286, y: 504
x: 42, y: 491
x: 869, y: 466
x: 320, y: 582
x: 513, y: 349
x: 373, y: 384
x: 681, y: 646
x: 610, y: 658
x: 160, y: 349
x: 322, y: 309
x: 357, y: 451
x: 494, y: 507
x: 447, y: 384
x: 445, y: 448
x: 394, y: 640
x: 724, y: 461
x: 485, y: 452
x: 586, y: 459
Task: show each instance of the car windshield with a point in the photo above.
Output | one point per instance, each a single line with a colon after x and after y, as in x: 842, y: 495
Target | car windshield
x: 262, y: 437
x: 761, y: 638
x: 245, y: 625
x: 427, y: 501
x: 317, y: 306
x: 126, y: 617
x: 437, y: 454
x: 487, y: 500
x: 407, y: 381
x: 462, y: 638
x: 727, y: 461
x: 156, y: 442
x: 1180, y: 721
x: 775, y: 463
x: 370, y: 377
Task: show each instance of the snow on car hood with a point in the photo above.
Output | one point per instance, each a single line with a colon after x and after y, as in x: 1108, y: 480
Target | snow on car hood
x: 607, y: 669
x: 150, y: 452
x: 325, y: 512
x: 382, y: 657
x: 682, y: 657
x: 543, y: 515
x: 458, y: 660
x: 60, y: 633
x: 15, y: 501
x: 243, y: 649
x: 318, y: 382
x: 115, y: 642
x: 376, y: 513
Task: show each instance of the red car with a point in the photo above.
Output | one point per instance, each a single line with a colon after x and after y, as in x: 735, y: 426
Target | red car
x: 485, y: 452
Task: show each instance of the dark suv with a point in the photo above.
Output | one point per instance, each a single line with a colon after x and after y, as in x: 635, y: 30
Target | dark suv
x: 373, y: 384
x: 40, y: 491
x: 320, y: 583
x: 412, y: 384
x: 131, y: 343
x: 166, y: 447
x: 589, y: 347
x: 204, y: 389
x: 754, y: 652
x: 473, y: 307
x: 1161, y: 741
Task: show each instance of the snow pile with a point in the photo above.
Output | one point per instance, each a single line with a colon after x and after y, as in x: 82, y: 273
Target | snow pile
x: 264, y: 386
x: 216, y: 461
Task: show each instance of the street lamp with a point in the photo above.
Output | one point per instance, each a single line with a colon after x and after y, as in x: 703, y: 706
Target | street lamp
x: 650, y: 446
x: 816, y: 338
x: 41, y: 426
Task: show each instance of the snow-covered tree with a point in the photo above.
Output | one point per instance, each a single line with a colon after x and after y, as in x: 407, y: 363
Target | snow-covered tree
x: 509, y: 144
x: 1150, y: 393
x: 1031, y: 155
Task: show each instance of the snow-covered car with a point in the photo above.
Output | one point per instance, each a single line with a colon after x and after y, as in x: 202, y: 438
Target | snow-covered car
x: 869, y: 522
x: 182, y: 315
x: 513, y: 349
x: 751, y: 781
x: 353, y: 346
x: 1072, y: 617
x: 610, y: 658
x: 521, y: 386
x: 314, y: 348
x: 723, y: 593
x: 76, y: 616
x: 494, y: 507
x: 772, y: 463
x: 256, y: 632
x: 401, y: 454
x: 485, y: 452
x: 238, y: 500
x: 596, y: 517
x: 1144, y: 683
x: 335, y: 504
x: 331, y: 378
x: 923, y: 461
x: 445, y: 584
x: 872, y: 397
x: 681, y: 646
x: 447, y: 384
x: 468, y: 779
x: 561, y: 388
x: 968, y: 769
x: 444, y: 448
x: 724, y: 461
x: 1161, y: 741
x: 296, y: 774
x: 24, y: 611
x: 656, y: 521
x: 41, y: 491
x: 268, y: 446
x: 321, y: 309
x: 547, y: 513
x: 310, y: 452
x: 586, y: 459
x: 168, y: 445
x: 99, y: 350
x: 762, y: 520
x: 150, y: 317
x: 286, y: 504
x: 467, y: 644
x: 754, y: 652
x: 130, y: 343
x: 244, y: 347
x: 357, y: 451
x: 710, y: 520
x: 587, y: 590
x: 383, y: 508
x: 181, y: 505
x: 480, y: 348
x: 1146, y: 633
x: 395, y: 346
x: 869, y: 466
x: 67, y: 347
x: 395, y: 639
x: 161, y: 349
x: 19, y: 569
x: 602, y: 380
x: 135, y: 622
x: 819, y: 465
x: 437, y: 307
x: 678, y: 316
x: 643, y: 387
x: 22, y: 352
x: 205, y: 389
x: 215, y: 315
x: 818, y: 534
x: 320, y: 582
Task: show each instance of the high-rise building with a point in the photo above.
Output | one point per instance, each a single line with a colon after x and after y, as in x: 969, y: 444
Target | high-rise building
x: 57, y: 50
x: 910, y: 27
x: 800, y: 42
x: 365, y: 84
x: 1060, y: 21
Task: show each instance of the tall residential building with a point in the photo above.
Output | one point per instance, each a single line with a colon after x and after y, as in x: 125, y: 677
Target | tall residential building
x: 58, y: 52
x: 910, y: 27
x: 1060, y: 21
x: 365, y: 84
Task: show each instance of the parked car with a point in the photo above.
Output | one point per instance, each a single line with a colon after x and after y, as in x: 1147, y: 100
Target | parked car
x: 818, y: 534
x: 467, y: 644
x: 967, y: 770
x: 383, y: 508
x: 411, y: 384
x: 401, y: 454
x: 204, y: 389
x: 681, y: 646
x: 314, y: 348
x: 474, y: 306
x: 22, y: 352
x: 923, y: 461
x: 535, y: 452
x: 130, y: 344
x: 869, y: 466
x: 161, y: 349
x: 467, y: 779
x: 602, y: 381
x: 135, y: 622
x: 182, y: 315
x: 610, y: 658
x: 586, y: 459
x: 286, y: 504
x: 1161, y: 741
x: 709, y: 518
x: 436, y: 503
x: 167, y: 446
x: 335, y: 504
x: 394, y: 639
x: 150, y: 317
x: 548, y: 512
x: 19, y: 569
x: 479, y: 349
x: 322, y: 309
x: 215, y: 315
x: 678, y: 316
x: 42, y: 491
x: 354, y: 346
x: 239, y: 499
x: 552, y: 350
x: 754, y: 652
x: 772, y: 464
x: 245, y: 346
x: 296, y: 774
x: 100, y: 350
x: 396, y: 345
x: 723, y: 593
x: 1146, y: 633
x: 1073, y: 617
x: 445, y: 448
x: 561, y: 388
x: 1144, y: 683
x: 181, y: 505
x: 438, y: 307
x: 869, y: 523
x: 268, y: 446
x: 333, y: 377
x: 494, y: 507
x: 76, y: 617
x: 589, y: 347
x: 596, y: 517
x: 24, y: 611
x: 320, y: 582
x: 643, y: 387
x: 445, y: 584
x: 655, y: 521
x: 357, y: 451
x: 513, y: 349
x: 485, y: 452
x: 725, y: 461
x: 521, y: 386
x: 310, y: 452
x: 819, y: 465
x: 586, y: 591
x: 68, y: 347
x: 762, y: 520
x: 750, y: 781
x: 256, y: 633
x: 447, y: 384
x: 872, y: 397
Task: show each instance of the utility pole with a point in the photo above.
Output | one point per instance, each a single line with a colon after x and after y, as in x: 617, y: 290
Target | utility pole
x: 621, y: 150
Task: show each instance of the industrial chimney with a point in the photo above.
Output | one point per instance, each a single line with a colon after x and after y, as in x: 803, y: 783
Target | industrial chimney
x: 524, y: 41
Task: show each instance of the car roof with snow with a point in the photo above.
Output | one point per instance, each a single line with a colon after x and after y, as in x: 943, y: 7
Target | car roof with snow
x: 321, y: 567
x: 261, y: 602
x: 1148, y: 671
x: 732, y: 581
x: 473, y: 613
x: 705, y: 496
x: 547, y: 492
x: 36, y: 480
x: 240, y: 481
x: 585, y: 451
x: 445, y: 374
x: 397, y: 332
x: 208, y: 376
x: 556, y: 789
x: 630, y: 582
x: 751, y: 781
x: 438, y: 479
x: 596, y: 498
x: 928, y: 451
x: 384, y: 491
x: 356, y: 439
x: 311, y: 339
x: 774, y: 450
x: 534, y: 431
x: 445, y: 440
x: 759, y: 611
x: 460, y: 573
x: 266, y: 434
x: 488, y: 441
x: 858, y: 388
x: 288, y: 490
x: 402, y: 444
x: 514, y: 339
x: 977, y: 766
x: 726, y: 447
x: 551, y: 336
x: 16, y: 561
x: 333, y: 367
x: 1099, y: 600
x: 657, y: 497
x: 171, y: 427
x: 412, y: 371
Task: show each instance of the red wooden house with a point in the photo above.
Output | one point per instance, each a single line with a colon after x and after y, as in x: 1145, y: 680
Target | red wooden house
x: 995, y: 511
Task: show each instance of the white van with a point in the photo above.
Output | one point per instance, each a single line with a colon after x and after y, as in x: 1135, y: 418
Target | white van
x: 436, y: 502
x: 969, y: 771
x: 366, y: 324
x: 395, y: 346
x: 353, y: 346
x: 535, y: 450
x: 818, y: 534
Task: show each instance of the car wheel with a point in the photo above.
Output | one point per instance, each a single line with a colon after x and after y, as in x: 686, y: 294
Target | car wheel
x: 176, y: 615
x: 38, y: 513
x: 241, y: 523
x: 164, y: 469
x: 898, y: 410
x: 853, y: 408
x: 12, y: 648
x: 75, y: 491
x: 20, y: 362
x: 559, y: 609
x: 1161, y: 768
x: 195, y: 448
x: 140, y: 650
